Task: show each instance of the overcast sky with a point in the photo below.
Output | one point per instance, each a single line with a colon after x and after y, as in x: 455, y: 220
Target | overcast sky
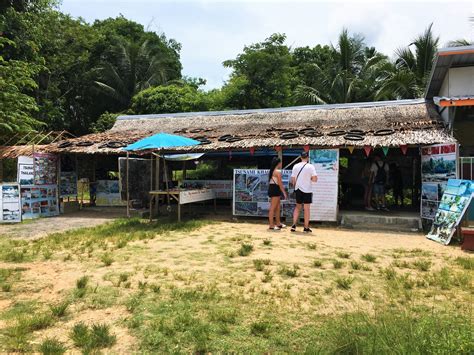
x: 213, y: 31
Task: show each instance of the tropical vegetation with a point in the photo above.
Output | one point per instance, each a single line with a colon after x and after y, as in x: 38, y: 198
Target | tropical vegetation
x: 62, y: 73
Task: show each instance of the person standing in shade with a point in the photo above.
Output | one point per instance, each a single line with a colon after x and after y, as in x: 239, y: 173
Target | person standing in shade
x: 379, y: 179
x: 275, y: 190
x: 302, y: 178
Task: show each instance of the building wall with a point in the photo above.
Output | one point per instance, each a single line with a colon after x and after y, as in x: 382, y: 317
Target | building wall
x: 458, y: 82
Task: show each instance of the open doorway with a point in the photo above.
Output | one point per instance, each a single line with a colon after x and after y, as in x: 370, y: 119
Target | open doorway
x: 403, y: 190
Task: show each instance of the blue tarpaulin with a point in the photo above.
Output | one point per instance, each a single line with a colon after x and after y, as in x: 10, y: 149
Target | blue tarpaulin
x: 161, y: 141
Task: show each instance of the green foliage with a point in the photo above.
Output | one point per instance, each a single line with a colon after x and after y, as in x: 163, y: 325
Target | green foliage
x: 169, y: 99
x: 344, y: 282
x: 104, y: 122
x: 465, y: 262
x: 370, y: 258
x: 52, y: 346
x: 245, y: 249
x: 87, y: 338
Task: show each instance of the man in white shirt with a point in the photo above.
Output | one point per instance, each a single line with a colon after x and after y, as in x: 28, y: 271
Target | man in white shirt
x: 302, y: 178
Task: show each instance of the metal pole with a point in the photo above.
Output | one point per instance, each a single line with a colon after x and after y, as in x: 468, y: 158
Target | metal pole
x: 128, y: 193
x: 151, y: 197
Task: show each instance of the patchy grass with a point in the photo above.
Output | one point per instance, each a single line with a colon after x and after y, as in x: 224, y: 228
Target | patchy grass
x: 52, y: 346
x: 466, y: 263
x: 370, y: 258
x: 245, y: 249
x: 343, y: 254
x: 344, y: 282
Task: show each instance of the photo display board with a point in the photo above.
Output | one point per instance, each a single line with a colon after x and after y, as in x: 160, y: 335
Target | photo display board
x: 39, y: 201
x: 67, y: 184
x: 10, y: 202
x: 251, y: 193
x: 25, y: 171
x: 221, y: 188
x: 456, y: 199
x: 438, y: 165
x: 108, y: 193
x: 45, y: 168
x: 325, y: 191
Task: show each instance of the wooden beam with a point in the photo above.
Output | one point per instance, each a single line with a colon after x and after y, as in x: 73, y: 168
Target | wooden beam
x: 460, y: 102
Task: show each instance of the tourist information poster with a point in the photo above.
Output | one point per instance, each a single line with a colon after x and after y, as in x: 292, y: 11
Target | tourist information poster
x: 10, y: 202
x: 39, y: 201
x: 25, y: 172
x: 456, y: 199
x: 68, y: 184
x: 438, y: 164
x: 251, y: 193
x: 108, y: 193
x: 45, y: 168
x: 325, y: 191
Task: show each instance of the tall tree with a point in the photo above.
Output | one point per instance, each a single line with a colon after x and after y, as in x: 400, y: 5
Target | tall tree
x: 412, y: 67
x: 261, y: 76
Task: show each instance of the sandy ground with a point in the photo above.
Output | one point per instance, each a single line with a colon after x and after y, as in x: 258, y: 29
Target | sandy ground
x: 38, y: 228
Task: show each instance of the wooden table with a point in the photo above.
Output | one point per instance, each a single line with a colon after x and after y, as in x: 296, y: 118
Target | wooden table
x: 183, y: 196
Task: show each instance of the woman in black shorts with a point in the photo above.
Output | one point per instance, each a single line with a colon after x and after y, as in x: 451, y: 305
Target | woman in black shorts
x: 275, y: 189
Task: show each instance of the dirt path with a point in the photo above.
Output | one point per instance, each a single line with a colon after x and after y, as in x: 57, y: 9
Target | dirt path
x: 33, y: 229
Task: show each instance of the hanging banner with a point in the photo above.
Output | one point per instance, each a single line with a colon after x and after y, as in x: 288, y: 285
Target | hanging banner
x: 25, y: 172
x: 68, y: 184
x: 325, y: 191
x: 251, y: 193
x: 39, y: 201
x: 45, y: 168
x: 221, y: 188
x: 456, y: 199
x: 351, y: 148
x: 10, y: 203
x: 367, y: 150
x: 438, y: 164
x: 385, y: 150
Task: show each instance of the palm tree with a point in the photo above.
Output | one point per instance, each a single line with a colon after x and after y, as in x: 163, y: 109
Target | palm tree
x: 135, y: 69
x: 352, y: 77
x: 412, y: 67
x: 459, y: 43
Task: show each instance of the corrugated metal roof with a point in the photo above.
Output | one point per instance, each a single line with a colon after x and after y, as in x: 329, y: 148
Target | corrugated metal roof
x: 437, y: 99
x: 447, y: 58
x: 280, y: 109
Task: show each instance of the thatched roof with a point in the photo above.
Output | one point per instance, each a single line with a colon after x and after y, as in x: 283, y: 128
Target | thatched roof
x: 413, y: 122
x: 13, y: 152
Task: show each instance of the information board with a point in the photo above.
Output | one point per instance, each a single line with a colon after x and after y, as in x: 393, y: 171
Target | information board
x: 25, y: 172
x: 45, y: 168
x: 251, y: 193
x: 456, y: 199
x: 108, y: 193
x: 190, y: 196
x: 438, y: 164
x: 10, y: 202
x: 325, y: 191
x: 68, y: 184
x: 39, y: 201
x: 222, y: 188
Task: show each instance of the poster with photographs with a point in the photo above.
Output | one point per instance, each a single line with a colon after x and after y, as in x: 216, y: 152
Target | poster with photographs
x: 67, y: 184
x: 325, y: 191
x: 454, y: 203
x: 10, y: 202
x: 108, y: 193
x: 25, y: 173
x: 251, y: 193
x: 39, y: 201
x: 45, y: 168
x: 438, y: 164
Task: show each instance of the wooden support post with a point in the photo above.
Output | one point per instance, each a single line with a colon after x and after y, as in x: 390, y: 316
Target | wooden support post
x: 157, y: 183
x: 179, y: 209
x: 128, y: 193
x: 150, y: 198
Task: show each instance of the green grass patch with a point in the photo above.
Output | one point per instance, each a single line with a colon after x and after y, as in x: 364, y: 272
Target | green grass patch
x: 370, y: 258
x: 245, y: 249
x: 94, y: 337
x: 52, y: 346
x: 466, y: 263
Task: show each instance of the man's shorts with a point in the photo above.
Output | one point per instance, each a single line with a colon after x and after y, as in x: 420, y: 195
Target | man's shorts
x: 379, y: 189
x: 303, y: 197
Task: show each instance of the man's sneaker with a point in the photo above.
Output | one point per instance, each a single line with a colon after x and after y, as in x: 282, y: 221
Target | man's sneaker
x: 369, y: 209
x: 293, y: 228
x: 281, y: 226
x: 307, y: 230
x: 275, y: 228
x: 384, y: 208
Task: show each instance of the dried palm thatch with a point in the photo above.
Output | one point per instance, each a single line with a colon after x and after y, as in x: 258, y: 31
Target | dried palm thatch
x: 410, y: 122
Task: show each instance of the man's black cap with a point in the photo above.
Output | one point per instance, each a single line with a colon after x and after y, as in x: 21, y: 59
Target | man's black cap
x: 304, y: 155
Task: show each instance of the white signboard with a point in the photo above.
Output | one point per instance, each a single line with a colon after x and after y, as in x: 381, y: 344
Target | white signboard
x: 10, y: 203
x: 222, y: 188
x: 325, y: 191
x: 25, y: 170
x: 108, y: 194
x: 189, y: 196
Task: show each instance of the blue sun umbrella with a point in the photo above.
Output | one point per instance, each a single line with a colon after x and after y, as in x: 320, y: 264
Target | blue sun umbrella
x: 162, y: 141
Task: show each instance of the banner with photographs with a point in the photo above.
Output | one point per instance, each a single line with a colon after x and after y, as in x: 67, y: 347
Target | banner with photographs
x: 68, y: 184
x: 39, y: 201
x: 222, y: 188
x: 251, y: 193
x: 10, y: 202
x: 325, y: 191
x: 25, y: 172
x: 108, y: 193
x: 456, y: 199
x: 45, y: 168
x: 438, y: 164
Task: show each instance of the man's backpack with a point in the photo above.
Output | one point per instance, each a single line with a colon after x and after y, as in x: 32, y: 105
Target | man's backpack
x: 381, y: 176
